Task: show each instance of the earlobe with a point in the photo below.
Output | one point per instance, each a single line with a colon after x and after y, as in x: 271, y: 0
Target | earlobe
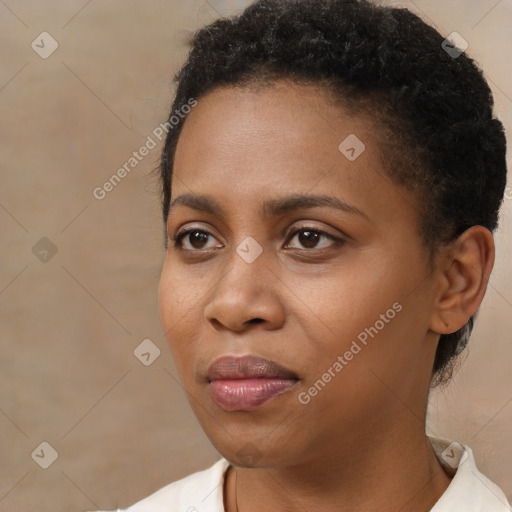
x: 467, y: 265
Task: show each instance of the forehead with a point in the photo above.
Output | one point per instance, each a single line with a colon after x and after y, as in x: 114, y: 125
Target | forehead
x: 248, y: 145
x: 285, y: 131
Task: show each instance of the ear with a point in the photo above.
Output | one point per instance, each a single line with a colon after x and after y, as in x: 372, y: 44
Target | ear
x: 465, y: 269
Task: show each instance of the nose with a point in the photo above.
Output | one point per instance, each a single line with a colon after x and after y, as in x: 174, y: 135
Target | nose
x: 245, y: 295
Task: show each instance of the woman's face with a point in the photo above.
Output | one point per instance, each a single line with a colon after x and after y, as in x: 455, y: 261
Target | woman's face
x: 336, y: 290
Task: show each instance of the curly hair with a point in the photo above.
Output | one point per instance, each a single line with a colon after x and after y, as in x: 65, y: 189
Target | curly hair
x: 438, y: 133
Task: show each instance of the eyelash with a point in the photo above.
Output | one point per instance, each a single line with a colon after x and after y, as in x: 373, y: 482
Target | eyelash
x: 176, y: 240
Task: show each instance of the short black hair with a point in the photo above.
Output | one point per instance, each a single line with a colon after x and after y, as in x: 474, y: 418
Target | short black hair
x: 434, y: 107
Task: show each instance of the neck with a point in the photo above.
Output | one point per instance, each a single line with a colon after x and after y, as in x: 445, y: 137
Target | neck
x: 397, y: 471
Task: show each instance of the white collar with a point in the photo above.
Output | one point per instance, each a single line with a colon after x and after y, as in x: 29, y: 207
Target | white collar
x: 469, y: 490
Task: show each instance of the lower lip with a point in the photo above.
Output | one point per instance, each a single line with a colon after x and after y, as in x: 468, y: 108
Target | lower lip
x: 247, y: 394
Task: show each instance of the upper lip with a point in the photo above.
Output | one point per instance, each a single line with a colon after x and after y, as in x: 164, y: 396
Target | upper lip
x: 247, y: 367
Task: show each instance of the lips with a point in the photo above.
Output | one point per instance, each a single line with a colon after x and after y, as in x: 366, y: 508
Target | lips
x: 243, y: 383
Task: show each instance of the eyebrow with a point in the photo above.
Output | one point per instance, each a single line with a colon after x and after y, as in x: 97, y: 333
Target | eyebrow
x: 271, y: 208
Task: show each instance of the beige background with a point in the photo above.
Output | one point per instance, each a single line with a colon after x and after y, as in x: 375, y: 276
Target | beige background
x: 68, y: 374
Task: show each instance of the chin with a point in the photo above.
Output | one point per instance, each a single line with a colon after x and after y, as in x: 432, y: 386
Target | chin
x: 248, y: 449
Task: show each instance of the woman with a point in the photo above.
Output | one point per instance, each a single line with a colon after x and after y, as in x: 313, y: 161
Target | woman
x: 329, y: 195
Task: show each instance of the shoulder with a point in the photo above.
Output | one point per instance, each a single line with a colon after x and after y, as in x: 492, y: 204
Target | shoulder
x: 199, y: 492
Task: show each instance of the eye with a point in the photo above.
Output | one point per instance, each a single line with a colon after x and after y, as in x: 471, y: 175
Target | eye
x: 309, y: 237
x: 194, y: 236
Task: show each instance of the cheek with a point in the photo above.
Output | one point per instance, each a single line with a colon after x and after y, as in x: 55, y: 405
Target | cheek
x: 345, y: 300
x: 176, y: 299
x: 363, y: 311
x: 169, y: 302
x: 178, y: 293
x: 181, y: 300
x: 380, y: 335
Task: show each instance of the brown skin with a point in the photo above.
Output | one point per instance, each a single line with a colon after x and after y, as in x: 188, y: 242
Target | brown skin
x: 360, y: 443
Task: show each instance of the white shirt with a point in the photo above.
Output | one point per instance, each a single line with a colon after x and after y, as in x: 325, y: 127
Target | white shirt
x: 469, y: 490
